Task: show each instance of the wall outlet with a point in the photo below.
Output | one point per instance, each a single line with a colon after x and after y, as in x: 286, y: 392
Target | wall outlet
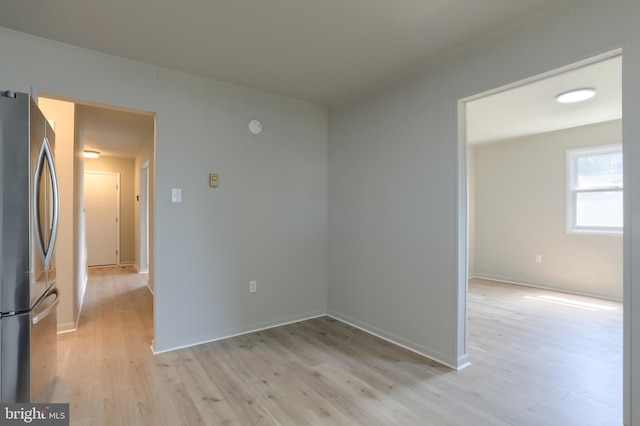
x: 538, y: 258
x: 252, y: 286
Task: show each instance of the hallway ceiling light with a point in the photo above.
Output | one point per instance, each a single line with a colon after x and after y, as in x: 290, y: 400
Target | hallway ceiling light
x: 576, y: 95
x: 91, y: 154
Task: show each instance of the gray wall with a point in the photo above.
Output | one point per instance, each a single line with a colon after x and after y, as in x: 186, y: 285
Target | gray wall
x: 392, y: 213
x: 396, y: 259
x: 268, y: 219
x: 520, y: 212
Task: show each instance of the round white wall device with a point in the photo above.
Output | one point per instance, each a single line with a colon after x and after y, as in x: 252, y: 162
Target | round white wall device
x: 255, y: 127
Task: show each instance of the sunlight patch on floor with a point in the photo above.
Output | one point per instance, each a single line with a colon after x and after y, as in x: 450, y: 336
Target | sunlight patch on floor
x: 573, y: 303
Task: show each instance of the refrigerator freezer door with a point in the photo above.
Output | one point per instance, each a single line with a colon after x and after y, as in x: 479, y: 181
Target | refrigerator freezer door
x: 15, y: 333
x: 28, y: 354
x: 44, y: 346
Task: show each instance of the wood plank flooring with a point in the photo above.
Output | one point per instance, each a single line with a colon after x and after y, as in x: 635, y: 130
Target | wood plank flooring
x: 535, y: 361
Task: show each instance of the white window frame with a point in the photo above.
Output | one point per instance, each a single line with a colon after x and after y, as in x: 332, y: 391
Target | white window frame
x: 572, y: 192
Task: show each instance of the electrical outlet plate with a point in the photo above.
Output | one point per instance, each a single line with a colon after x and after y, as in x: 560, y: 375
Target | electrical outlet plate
x: 252, y: 286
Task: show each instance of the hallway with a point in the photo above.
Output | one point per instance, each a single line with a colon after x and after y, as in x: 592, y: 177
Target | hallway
x: 112, y: 340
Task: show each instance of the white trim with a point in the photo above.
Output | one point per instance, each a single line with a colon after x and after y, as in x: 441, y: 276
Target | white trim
x: 456, y: 364
x: 572, y: 193
x: 143, y: 219
x: 462, y: 217
x: 244, y: 330
x: 542, y: 287
x: 73, y: 326
x: 67, y: 327
x: 461, y: 363
x: 461, y: 242
x: 119, y: 219
x: 542, y: 76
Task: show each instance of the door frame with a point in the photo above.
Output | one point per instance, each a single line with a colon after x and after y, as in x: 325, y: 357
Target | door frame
x: 144, y: 218
x: 118, y: 221
x: 462, y: 199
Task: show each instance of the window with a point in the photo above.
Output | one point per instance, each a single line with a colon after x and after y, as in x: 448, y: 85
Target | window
x: 594, y: 195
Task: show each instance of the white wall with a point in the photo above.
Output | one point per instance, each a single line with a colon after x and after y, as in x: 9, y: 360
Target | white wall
x: 63, y: 114
x: 80, y: 232
x: 394, y: 157
x: 268, y: 219
x: 520, y: 212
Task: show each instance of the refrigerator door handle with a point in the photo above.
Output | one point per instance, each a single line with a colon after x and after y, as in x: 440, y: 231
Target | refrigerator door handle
x: 46, y: 253
x: 42, y: 315
x: 56, y: 202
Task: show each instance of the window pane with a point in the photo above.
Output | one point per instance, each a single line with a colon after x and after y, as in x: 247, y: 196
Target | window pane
x: 602, y: 209
x: 600, y: 171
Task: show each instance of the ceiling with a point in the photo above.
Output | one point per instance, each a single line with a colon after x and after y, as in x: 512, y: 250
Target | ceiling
x: 532, y: 108
x: 323, y: 51
x: 113, y: 132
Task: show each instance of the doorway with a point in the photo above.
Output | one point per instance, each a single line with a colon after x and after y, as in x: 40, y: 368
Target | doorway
x: 125, y: 139
x: 529, y: 255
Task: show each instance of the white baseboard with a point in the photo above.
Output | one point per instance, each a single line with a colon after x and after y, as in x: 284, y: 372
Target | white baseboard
x: 138, y: 269
x: 71, y: 326
x: 459, y: 364
x: 84, y: 291
x: 456, y: 364
x: 244, y: 330
x: 67, y: 327
x: 463, y: 362
x: 542, y: 287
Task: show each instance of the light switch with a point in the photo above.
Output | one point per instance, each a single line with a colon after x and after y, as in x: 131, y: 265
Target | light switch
x: 176, y: 195
x: 213, y: 180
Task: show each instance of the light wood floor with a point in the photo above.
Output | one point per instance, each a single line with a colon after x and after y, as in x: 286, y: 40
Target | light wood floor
x: 534, y: 362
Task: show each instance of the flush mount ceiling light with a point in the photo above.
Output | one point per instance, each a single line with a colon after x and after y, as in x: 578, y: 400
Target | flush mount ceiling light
x: 91, y: 154
x: 576, y: 95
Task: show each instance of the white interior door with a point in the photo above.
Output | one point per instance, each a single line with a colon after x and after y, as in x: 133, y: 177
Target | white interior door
x: 101, y: 202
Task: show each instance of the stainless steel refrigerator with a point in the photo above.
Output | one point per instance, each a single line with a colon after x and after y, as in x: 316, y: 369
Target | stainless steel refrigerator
x: 29, y: 211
